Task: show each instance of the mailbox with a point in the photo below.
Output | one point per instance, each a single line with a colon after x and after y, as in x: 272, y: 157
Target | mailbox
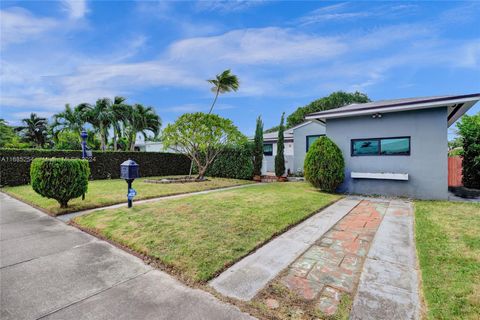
x: 129, y: 170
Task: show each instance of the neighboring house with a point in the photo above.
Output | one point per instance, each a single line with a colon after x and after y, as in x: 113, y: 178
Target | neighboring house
x: 297, y: 141
x: 396, y: 147
x: 152, y: 146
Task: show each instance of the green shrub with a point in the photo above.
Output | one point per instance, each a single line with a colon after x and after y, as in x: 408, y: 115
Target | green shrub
x: 233, y: 162
x: 324, y: 165
x: 469, y: 130
x: 60, y: 179
x: 15, y: 163
x: 280, y: 157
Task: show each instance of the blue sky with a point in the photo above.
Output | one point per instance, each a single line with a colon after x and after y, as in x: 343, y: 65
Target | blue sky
x: 285, y: 54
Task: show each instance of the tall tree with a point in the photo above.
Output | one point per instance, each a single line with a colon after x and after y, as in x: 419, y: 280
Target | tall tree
x: 223, y: 82
x: 201, y: 137
x: 7, y: 133
x: 68, y: 120
x: 280, y: 157
x: 258, y: 148
x: 335, y: 100
x: 100, y: 116
x: 141, y: 120
x: 35, y: 130
x: 119, y: 117
x: 469, y: 130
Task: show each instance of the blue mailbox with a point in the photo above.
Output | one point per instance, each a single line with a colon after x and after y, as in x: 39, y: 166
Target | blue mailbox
x: 129, y: 172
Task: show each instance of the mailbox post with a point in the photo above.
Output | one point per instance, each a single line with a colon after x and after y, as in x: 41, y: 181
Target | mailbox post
x: 129, y: 172
x: 84, y: 136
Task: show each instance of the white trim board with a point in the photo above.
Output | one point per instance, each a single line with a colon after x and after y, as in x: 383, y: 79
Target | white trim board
x: 379, y: 176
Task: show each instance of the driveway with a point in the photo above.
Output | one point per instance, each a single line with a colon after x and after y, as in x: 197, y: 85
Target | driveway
x: 49, y: 270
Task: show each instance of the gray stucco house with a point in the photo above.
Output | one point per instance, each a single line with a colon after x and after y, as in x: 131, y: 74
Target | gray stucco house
x: 297, y: 141
x: 396, y: 147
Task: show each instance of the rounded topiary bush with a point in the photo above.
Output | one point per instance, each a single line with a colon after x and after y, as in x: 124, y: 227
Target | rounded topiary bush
x: 324, y: 165
x: 60, y: 179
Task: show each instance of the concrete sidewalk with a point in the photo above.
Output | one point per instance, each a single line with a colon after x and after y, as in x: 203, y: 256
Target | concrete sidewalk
x: 248, y: 276
x: 54, y: 271
x: 389, y: 285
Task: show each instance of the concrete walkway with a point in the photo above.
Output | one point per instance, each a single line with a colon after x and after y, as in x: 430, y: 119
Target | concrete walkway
x: 69, y: 216
x: 388, y: 287
x: 331, y: 267
x: 53, y: 271
x: 245, y: 278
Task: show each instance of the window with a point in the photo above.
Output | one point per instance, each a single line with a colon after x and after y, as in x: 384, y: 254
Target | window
x: 311, y: 140
x: 395, y: 146
x: 268, y: 149
x: 398, y: 146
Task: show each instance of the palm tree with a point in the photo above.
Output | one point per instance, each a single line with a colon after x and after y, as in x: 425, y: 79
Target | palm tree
x: 119, y: 112
x: 141, y: 119
x: 223, y: 82
x: 35, y: 129
x: 68, y: 120
x: 100, y: 116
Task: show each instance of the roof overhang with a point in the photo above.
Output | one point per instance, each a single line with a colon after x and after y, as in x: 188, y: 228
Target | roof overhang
x: 457, y: 106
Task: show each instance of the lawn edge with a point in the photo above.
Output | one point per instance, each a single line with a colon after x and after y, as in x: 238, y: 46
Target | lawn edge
x: 114, y: 203
x: 157, y: 263
x: 423, y: 300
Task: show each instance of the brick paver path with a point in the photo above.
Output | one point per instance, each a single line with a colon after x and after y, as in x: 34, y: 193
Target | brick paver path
x: 332, y: 266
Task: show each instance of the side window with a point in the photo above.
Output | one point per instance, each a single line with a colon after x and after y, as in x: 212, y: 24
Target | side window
x: 268, y: 149
x: 311, y: 140
x: 365, y: 147
x: 398, y: 146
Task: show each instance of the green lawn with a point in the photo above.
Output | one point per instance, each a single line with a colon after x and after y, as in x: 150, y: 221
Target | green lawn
x: 107, y: 192
x: 198, y: 236
x: 448, y: 245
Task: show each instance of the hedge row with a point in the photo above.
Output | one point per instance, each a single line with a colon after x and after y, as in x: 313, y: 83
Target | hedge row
x: 234, y: 162
x: 15, y: 163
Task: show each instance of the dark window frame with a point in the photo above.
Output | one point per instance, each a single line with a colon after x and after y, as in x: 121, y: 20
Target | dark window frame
x: 306, y: 140
x: 380, y: 147
x: 269, y: 153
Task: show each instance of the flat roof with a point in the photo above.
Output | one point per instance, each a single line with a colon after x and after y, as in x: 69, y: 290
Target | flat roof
x: 457, y: 106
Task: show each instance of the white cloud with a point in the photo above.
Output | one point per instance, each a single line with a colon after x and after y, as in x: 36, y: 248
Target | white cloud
x: 18, y: 25
x: 76, y: 9
x: 228, y: 6
x: 258, y: 46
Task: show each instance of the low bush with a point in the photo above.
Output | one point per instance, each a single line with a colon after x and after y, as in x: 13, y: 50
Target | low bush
x: 324, y: 165
x: 60, y: 179
x: 15, y: 163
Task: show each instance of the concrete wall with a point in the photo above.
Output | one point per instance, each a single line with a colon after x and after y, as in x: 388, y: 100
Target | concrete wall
x: 427, y: 164
x: 268, y: 164
x: 300, y: 138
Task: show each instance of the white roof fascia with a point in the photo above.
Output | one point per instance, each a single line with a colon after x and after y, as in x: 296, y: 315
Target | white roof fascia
x: 387, y: 109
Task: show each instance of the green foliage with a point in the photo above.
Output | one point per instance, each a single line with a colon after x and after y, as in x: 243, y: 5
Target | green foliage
x: 272, y: 129
x: 60, y: 179
x: 201, y: 137
x: 67, y: 140
x: 233, y: 162
x: 334, y: 100
x: 140, y: 120
x: 223, y: 82
x: 15, y: 163
x: 324, y: 165
x: 6, y: 133
x: 469, y: 130
x: 34, y: 130
x: 280, y: 157
x: 258, y: 148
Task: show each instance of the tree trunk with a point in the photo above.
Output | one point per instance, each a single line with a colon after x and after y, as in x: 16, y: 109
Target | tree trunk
x: 114, y: 139
x: 201, y: 173
x: 102, y: 138
x: 132, y: 141
x: 63, y: 203
x: 214, y: 100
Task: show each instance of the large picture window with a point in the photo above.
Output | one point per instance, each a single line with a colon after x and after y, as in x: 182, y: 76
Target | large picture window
x: 311, y: 140
x: 396, y: 146
x: 268, y: 149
